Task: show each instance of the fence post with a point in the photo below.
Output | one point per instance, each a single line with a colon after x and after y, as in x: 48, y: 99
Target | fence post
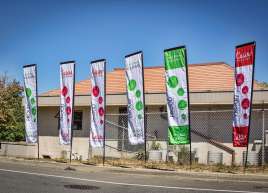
x: 263, y: 135
x: 123, y: 141
x: 89, y: 153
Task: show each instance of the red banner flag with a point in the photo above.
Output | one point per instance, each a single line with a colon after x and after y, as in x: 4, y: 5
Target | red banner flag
x: 244, y: 71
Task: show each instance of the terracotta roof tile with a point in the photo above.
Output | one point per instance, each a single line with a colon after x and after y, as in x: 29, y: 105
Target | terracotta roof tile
x: 202, y: 77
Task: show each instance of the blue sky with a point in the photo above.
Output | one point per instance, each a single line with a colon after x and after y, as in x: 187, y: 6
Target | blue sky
x: 50, y: 32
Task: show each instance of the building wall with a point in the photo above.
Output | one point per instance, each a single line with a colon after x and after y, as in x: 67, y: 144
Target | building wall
x: 217, y: 126
x: 48, y: 123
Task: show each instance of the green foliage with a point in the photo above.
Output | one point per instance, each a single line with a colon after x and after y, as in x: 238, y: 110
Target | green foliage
x: 264, y: 85
x: 11, y: 110
x: 140, y: 155
x: 155, y: 145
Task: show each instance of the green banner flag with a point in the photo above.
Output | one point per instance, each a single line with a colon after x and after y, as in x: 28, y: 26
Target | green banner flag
x: 177, y: 95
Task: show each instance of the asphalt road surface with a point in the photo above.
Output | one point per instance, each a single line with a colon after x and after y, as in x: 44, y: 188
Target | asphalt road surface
x: 35, y: 177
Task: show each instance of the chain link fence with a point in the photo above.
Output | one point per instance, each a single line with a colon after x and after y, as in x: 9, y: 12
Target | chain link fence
x: 211, y: 140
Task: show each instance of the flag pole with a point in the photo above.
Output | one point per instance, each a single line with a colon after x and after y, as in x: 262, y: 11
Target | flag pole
x: 71, y: 144
x: 189, y: 113
x: 104, y: 121
x: 37, y: 119
x: 144, y: 113
x: 263, y: 135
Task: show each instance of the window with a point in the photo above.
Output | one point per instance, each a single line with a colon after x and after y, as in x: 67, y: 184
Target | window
x: 78, y: 120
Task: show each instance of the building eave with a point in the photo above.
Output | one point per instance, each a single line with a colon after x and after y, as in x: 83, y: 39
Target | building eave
x: 196, y: 98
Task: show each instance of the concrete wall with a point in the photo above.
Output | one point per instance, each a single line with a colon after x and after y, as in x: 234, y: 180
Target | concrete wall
x: 18, y: 150
x: 49, y: 146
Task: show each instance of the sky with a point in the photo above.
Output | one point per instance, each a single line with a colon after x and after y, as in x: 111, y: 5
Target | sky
x: 53, y: 31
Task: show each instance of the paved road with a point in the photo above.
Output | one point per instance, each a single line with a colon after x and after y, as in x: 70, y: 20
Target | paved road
x: 36, y: 177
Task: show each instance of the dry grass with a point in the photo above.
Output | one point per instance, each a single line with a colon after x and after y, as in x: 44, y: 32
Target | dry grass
x: 169, y: 166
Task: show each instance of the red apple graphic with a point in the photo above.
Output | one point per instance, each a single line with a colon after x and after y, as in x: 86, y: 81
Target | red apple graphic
x: 240, y: 79
x: 96, y: 91
x: 64, y: 91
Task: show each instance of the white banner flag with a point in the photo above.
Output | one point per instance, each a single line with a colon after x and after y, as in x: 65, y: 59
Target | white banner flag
x: 134, y: 77
x: 97, y: 103
x: 30, y: 106
x: 67, y: 77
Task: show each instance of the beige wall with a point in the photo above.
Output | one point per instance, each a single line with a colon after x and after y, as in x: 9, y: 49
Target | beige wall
x: 48, y: 123
x: 196, y: 98
x: 49, y: 146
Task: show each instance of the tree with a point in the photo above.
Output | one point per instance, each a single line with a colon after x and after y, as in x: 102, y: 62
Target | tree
x: 264, y: 85
x: 11, y: 110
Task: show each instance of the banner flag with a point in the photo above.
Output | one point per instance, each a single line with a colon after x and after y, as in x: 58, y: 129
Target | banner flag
x: 135, y: 96
x: 97, y: 103
x: 177, y: 95
x: 244, y: 76
x: 67, y: 77
x: 31, y: 106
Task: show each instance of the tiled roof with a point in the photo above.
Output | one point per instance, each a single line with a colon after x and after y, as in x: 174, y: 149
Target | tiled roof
x: 202, y: 77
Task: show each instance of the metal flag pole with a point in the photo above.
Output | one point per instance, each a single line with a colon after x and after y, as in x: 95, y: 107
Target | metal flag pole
x: 104, y: 121
x: 263, y: 136
x: 144, y: 113
x: 37, y: 119
x: 189, y: 113
x: 71, y: 143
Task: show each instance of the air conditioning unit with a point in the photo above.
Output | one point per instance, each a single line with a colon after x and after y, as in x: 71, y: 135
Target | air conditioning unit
x: 257, y: 144
x: 266, y: 138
